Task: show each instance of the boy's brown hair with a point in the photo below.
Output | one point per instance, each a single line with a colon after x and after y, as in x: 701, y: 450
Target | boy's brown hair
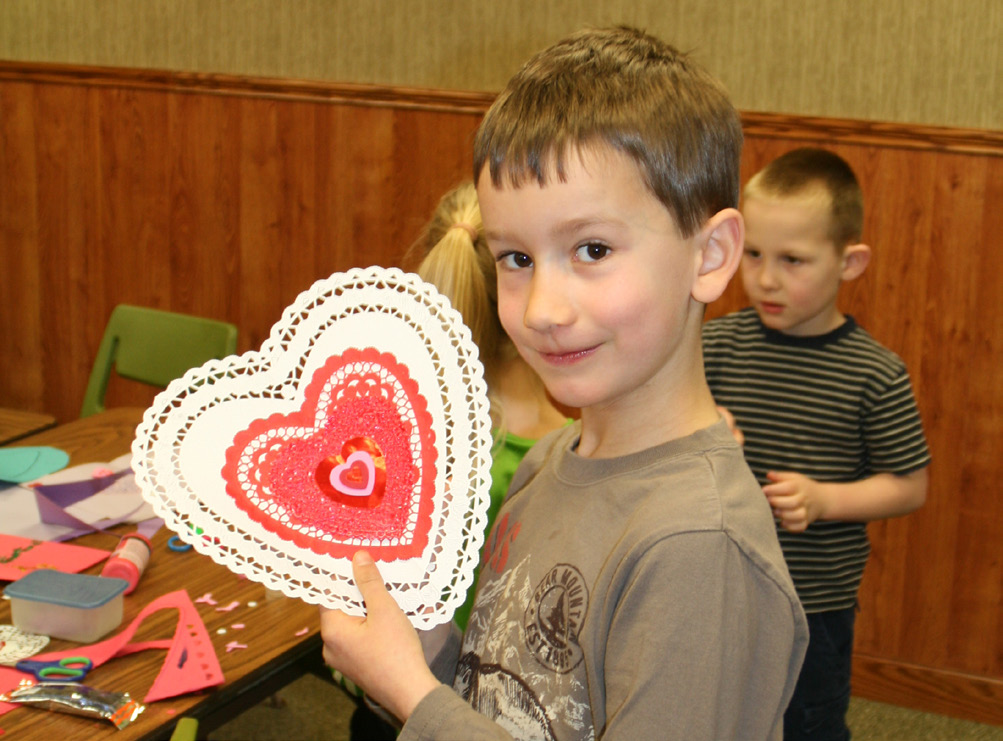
x: 621, y: 88
x: 800, y: 171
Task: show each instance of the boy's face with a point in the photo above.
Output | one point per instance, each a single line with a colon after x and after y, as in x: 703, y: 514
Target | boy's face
x: 791, y: 269
x: 594, y: 281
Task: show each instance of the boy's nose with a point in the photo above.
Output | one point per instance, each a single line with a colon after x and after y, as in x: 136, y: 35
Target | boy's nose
x: 548, y: 304
x: 767, y: 276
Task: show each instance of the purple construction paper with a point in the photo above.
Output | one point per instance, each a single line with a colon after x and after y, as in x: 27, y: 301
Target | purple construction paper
x: 72, y: 492
x: 52, y: 500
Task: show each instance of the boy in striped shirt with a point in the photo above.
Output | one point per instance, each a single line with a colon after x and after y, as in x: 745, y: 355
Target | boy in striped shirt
x: 831, y: 426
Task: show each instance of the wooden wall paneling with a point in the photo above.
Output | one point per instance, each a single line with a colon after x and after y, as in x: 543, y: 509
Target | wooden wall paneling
x: 131, y: 184
x: 975, y: 347
x: 990, y: 418
x: 898, y: 191
x: 202, y: 259
x: 952, y: 319
x: 271, y: 250
x: 21, y: 330
x: 68, y: 235
x: 435, y: 152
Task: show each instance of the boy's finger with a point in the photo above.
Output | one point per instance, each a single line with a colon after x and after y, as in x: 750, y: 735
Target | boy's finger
x: 785, y: 502
x: 776, y: 491
x: 367, y: 576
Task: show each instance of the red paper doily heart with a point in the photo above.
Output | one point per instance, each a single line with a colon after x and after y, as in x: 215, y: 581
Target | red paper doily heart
x: 355, y: 466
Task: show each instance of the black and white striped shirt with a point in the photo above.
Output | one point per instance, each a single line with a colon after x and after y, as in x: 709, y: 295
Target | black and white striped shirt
x: 837, y: 407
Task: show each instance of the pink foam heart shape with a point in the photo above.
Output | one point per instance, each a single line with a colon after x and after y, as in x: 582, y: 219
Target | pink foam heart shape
x: 356, y: 477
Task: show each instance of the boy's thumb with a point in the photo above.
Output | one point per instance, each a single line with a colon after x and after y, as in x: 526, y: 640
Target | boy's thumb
x: 367, y: 576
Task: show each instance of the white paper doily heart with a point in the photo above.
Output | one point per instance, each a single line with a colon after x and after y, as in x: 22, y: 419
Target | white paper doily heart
x: 361, y: 423
x: 16, y: 645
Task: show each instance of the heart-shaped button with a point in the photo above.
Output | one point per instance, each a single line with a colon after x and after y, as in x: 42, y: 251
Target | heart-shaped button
x: 361, y: 423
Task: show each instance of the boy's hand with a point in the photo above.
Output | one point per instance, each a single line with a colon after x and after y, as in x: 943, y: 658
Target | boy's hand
x: 733, y: 427
x: 381, y: 652
x: 797, y: 500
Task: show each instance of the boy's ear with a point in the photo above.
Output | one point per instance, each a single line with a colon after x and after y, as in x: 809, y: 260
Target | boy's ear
x: 720, y: 251
x: 856, y: 258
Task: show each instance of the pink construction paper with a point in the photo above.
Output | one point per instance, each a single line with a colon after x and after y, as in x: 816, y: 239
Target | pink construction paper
x: 18, y: 556
x: 191, y: 663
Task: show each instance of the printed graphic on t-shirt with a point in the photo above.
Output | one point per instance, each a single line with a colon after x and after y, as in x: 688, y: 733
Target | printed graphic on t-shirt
x: 522, y: 665
x: 496, y: 553
x: 554, y: 617
x: 503, y: 697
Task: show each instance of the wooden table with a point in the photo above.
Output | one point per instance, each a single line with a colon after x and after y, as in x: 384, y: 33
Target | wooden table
x: 16, y: 424
x: 275, y: 654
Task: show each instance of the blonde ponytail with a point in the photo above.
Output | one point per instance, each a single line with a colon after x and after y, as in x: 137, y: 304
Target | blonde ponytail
x: 453, y: 255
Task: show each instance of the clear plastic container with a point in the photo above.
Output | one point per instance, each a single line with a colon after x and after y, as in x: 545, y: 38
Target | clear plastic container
x: 75, y: 607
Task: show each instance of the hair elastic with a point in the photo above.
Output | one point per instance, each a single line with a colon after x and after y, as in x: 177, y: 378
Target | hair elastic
x: 468, y: 228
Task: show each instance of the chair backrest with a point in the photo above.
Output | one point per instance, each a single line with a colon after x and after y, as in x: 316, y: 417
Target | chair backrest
x: 154, y: 347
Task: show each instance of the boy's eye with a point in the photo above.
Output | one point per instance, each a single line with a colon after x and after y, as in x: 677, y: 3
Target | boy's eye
x: 752, y: 254
x: 792, y: 260
x: 592, y: 252
x: 514, y: 260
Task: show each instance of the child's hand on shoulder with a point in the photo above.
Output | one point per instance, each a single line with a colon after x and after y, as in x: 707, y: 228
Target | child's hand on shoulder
x: 797, y: 500
x: 733, y: 427
x: 380, y: 652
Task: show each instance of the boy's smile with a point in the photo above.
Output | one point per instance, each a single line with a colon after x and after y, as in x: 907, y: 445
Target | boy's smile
x: 594, y: 281
x: 791, y: 269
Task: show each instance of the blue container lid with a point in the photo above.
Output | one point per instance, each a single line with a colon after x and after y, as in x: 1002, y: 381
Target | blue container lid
x: 68, y: 590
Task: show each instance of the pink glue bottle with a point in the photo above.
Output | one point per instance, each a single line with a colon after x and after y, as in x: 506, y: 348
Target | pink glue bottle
x: 129, y: 559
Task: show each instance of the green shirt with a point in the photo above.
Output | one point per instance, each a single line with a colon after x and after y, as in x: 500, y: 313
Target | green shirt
x: 506, y: 456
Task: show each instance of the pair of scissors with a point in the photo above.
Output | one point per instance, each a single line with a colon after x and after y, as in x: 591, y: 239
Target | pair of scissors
x: 68, y: 669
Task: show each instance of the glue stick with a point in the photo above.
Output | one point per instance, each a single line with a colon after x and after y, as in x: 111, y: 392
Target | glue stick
x: 129, y: 559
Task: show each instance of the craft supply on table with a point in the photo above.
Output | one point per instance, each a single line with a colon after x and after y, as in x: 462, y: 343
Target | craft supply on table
x: 76, y: 607
x: 177, y: 545
x: 19, y: 556
x: 16, y: 645
x: 190, y: 665
x: 90, y: 497
x: 116, y: 707
x: 21, y: 464
x: 67, y: 669
x: 129, y: 560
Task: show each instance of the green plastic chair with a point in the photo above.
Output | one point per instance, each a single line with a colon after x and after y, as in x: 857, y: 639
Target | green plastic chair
x: 154, y: 347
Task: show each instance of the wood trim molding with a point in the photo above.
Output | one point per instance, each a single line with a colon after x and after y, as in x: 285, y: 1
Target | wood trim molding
x: 770, y: 125
x: 256, y: 87
x: 928, y: 689
x: 876, y: 133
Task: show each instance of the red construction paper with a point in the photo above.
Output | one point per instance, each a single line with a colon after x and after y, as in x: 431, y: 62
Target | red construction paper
x: 18, y: 556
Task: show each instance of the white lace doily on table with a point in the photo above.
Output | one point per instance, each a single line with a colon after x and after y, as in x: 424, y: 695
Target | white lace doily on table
x: 362, y: 422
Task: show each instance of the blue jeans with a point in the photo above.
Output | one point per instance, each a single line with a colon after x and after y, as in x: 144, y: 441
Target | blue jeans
x: 817, y: 711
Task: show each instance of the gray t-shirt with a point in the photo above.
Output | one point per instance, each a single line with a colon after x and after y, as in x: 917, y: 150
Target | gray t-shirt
x: 636, y: 597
